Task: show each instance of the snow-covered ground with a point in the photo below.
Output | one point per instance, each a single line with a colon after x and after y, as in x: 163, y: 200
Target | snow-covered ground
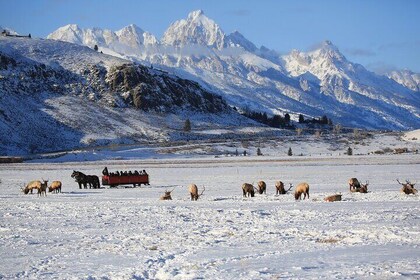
x: 128, y: 233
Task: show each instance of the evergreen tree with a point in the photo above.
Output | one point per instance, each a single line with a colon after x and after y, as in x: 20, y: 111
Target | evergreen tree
x: 349, y: 151
x: 301, y: 118
x: 287, y: 118
x: 187, y: 125
x: 259, y: 152
x: 289, y: 152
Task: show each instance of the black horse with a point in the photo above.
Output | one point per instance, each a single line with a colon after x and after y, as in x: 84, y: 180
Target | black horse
x: 83, y: 179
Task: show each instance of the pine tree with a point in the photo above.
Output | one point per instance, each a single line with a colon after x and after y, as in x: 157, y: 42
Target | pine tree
x: 187, y: 125
x: 349, y: 151
x: 287, y: 118
x: 290, y: 153
x: 259, y: 152
x: 301, y: 118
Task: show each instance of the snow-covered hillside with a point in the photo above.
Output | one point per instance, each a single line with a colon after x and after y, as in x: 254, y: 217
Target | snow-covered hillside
x: 57, y: 95
x: 320, y: 82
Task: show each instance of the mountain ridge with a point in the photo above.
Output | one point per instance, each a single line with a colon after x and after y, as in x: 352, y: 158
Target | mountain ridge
x: 315, y: 83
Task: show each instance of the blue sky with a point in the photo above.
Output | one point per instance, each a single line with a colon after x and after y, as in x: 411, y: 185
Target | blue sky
x: 379, y: 34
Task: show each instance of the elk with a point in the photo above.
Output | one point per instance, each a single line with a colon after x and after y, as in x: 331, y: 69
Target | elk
x: 167, y: 195
x: 354, y: 184
x: 262, y: 187
x: 331, y: 198
x: 43, y: 188
x: 194, y: 192
x: 302, y: 188
x: 248, y: 189
x: 408, y: 187
x: 55, y: 187
x: 31, y: 186
x: 280, y: 188
x: 363, y: 188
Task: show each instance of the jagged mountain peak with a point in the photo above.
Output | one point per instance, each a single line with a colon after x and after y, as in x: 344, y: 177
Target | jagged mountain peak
x: 329, y: 50
x: 69, y: 33
x: 236, y: 39
x: 131, y: 28
x: 197, y: 29
x: 195, y: 14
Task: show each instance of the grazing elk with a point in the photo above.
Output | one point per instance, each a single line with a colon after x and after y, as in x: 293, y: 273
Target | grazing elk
x: 55, y: 187
x: 408, y: 187
x: 167, y: 195
x: 302, y: 188
x: 335, y: 197
x: 280, y: 188
x: 32, y: 185
x: 248, y: 189
x: 43, y: 188
x: 262, y: 187
x: 354, y: 184
x: 194, y: 192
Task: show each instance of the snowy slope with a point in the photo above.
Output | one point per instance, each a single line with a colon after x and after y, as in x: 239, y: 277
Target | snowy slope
x: 407, y: 78
x: 58, y: 96
x: 321, y: 82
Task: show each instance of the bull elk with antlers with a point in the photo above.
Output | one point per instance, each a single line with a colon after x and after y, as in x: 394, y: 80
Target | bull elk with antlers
x: 408, y: 187
x: 362, y: 189
x: 167, y: 195
x: 194, y: 192
x: 280, y: 188
x: 31, y: 186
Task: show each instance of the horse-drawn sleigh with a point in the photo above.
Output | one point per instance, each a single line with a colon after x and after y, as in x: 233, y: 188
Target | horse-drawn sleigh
x: 114, y: 179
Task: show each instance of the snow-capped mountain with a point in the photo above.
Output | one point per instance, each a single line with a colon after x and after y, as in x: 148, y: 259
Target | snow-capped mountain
x: 406, y: 78
x: 128, y: 40
x: 315, y: 83
x: 197, y: 29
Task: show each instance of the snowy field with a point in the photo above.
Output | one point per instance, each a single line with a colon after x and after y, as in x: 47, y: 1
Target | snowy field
x: 128, y: 233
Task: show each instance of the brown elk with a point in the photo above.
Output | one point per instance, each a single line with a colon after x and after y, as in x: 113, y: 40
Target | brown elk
x: 194, y: 192
x: 280, y: 188
x: 167, y: 195
x: 335, y: 197
x: 354, y: 184
x: 408, y: 187
x: 55, y: 187
x: 262, y: 187
x: 43, y: 188
x: 362, y: 189
x: 32, y: 185
x: 248, y: 189
x: 302, y: 188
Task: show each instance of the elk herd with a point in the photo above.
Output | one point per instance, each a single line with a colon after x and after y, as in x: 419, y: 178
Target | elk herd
x: 41, y: 187
x: 248, y: 190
